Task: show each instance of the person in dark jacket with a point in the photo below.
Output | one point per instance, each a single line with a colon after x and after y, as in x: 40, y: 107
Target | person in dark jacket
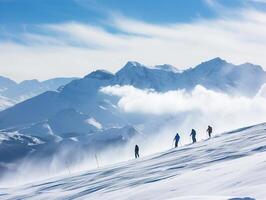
x: 136, y: 151
x: 176, y: 139
x: 209, y: 131
x: 193, y: 135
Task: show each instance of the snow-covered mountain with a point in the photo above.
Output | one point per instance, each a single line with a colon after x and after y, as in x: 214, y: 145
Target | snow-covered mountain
x: 169, y: 68
x: 6, y: 83
x: 215, y: 74
x: 140, y: 76
x: 79, y: 111
x: 231, y: 166
x: 18, y: 92
x: 5, y: 103
x: 83, y: 94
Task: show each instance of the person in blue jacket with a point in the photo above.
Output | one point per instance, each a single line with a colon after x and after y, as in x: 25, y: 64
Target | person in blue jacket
x: 209, y: 131
x: 176, y: 139
x: 193, y: 135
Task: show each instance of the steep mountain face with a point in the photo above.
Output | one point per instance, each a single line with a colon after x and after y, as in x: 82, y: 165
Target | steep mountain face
x: 33, y: 110
x: 217, y: 74
x: 137, y: 75
x: 84, y: 96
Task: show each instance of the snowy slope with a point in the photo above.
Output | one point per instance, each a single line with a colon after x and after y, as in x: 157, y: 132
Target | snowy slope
x: 5, y: 103
x: 6, y: 83
x: 41, y: 144
x: 169, y: 68
x: 229, y: 166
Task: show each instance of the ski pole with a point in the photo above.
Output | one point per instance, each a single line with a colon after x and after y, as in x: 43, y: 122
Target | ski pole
x: 96, y: 160
x: 173, y: 144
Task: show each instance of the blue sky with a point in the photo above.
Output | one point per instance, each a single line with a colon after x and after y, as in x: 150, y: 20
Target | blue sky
x: 37, y: 34
x: 21, y: 12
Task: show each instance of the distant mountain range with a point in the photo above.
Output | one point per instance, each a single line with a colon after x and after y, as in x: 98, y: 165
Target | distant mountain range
x: 12, y: 92
x: 79, y: 110
x: 216, y: 74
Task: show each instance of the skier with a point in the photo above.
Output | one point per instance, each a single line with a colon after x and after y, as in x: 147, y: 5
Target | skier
x: 176, y: 139
x: 209, y: 131
x: 193, y: 135
x: 136, y: 151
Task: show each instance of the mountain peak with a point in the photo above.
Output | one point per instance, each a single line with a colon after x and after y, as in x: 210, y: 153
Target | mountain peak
x: 168, y: 68
x: 6, y: 83
x: 216, y: 61
x: 33, y: 81
x: 133, y: 64
x: 100, y: 74
x: 249, y: 66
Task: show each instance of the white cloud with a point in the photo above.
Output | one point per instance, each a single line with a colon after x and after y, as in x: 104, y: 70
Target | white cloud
x: 197, y: 108
x: 74, y: 49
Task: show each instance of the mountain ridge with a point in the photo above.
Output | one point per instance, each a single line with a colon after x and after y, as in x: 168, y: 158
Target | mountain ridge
x: 18, y: 92
x: 84, y: 96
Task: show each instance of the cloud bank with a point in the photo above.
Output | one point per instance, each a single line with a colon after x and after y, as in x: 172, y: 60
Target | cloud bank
x: 197, y: 108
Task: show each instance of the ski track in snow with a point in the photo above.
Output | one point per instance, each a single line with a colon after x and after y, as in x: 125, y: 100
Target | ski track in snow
x: 228, y: 166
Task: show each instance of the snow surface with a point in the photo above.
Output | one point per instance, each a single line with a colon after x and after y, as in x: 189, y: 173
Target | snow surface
x: 94, y: 123
x: 19, y: 138
x: 228, y: 166
x: 5, y: 103
x: 168, y: 68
